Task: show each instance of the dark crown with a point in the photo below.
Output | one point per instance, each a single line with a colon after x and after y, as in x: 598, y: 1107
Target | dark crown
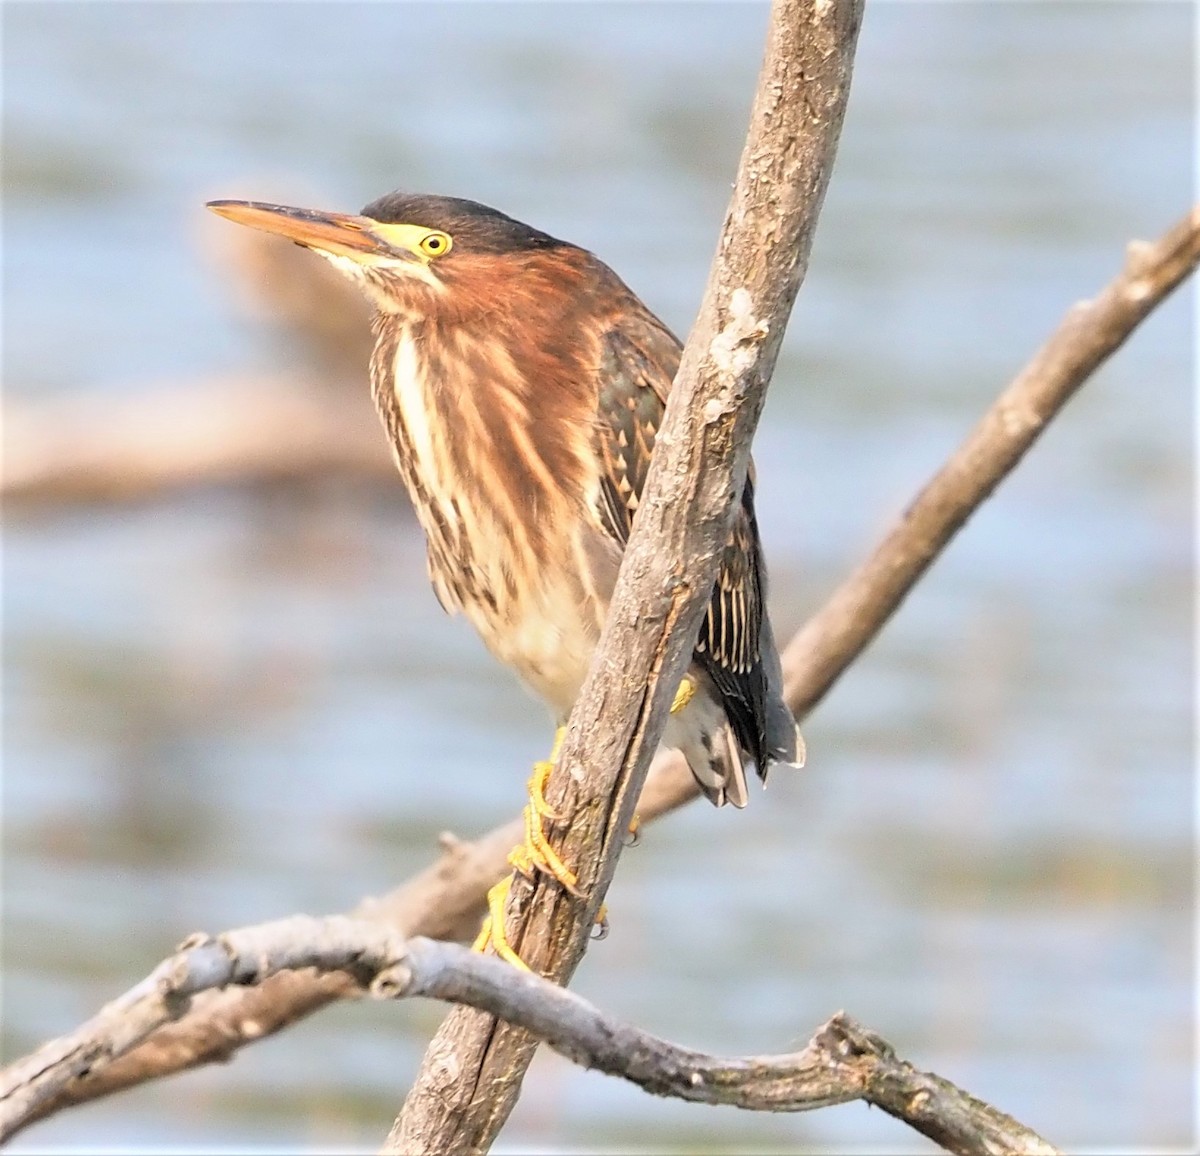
x: 471, y: 224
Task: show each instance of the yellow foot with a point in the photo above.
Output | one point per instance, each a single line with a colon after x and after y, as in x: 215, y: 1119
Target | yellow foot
x: 497, y: 897
x: 492, y: 933
x: 533, y: 855
x: 684, y: 695
x: 536, y: 854
x: 541, y: 776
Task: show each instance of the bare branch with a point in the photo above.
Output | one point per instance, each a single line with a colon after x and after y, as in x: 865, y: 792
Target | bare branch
x: 202, y: 963
x: 701, y: 455
x: 82, y: 449
x: 1085, y: 338
x: 446, y: 900
x: 241, y: 430
x: 842, y: 1062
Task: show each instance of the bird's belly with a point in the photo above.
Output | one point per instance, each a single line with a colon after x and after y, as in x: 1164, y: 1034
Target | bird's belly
x: 547, y: 637
x: 536, y: 611
x: 494, y: 491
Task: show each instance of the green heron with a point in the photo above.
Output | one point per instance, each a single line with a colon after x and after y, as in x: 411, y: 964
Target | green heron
x: 522, y: 385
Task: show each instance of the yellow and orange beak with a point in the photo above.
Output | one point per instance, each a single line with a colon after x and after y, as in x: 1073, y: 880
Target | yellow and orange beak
x: 340, y: 234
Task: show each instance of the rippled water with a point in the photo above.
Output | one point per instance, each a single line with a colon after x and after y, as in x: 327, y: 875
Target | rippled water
x: 233, y: 705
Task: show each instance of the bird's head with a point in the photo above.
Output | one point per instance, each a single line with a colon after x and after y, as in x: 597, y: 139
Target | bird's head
x: 411, y: 253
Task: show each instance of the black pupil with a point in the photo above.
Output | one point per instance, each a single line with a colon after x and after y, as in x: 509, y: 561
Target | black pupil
x: 434, y: 243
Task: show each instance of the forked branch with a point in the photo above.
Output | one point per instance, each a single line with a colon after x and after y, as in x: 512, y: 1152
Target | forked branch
x: 446, y: 900
x: 212, y: 1023
x: 842, y: 1062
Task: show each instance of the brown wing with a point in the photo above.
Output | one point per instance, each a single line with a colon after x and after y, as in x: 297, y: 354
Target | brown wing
x: 630, y: 411
x: 638, y: 363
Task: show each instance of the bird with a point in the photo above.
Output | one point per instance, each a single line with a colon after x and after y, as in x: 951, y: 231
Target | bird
x: 522, y: 385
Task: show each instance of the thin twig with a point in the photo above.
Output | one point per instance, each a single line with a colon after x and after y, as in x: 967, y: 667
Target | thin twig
x: 842, y: 1062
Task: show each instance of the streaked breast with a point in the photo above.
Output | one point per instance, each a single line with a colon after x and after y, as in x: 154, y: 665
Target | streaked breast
x: 456, y: 409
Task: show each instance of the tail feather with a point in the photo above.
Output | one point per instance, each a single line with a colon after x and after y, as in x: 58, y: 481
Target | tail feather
x: 782, y: 739
x: 717, y: 754
x: 707, y: 741
x: 726, y: 763
x: 784, y: 742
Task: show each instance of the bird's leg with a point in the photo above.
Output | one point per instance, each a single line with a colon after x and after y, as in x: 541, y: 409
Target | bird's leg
x: 600, y: 926
x: 497, y: 897
x: 541, y: 776
x: 684, y: 695
x: 533, y: 855
x: 536, y: 854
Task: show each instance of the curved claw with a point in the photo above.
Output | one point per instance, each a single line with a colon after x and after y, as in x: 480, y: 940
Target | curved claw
x: 600, y: 927
x: 537, y: 791
x: 633, y: 836
x: 492, y: 932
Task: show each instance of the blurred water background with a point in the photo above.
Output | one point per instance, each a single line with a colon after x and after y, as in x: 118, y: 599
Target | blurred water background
x: 232, y: 704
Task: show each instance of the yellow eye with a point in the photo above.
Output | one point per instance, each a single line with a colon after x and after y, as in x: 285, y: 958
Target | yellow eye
x: 435, y: 244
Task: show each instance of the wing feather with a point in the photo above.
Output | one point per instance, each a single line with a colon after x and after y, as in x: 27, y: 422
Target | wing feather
x: 638, y: 362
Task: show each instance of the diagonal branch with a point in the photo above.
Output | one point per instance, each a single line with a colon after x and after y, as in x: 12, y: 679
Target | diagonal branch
x: 446, y: 900
x: 842, y: 1062
x: 1085, y: 338
x: 699, y: 467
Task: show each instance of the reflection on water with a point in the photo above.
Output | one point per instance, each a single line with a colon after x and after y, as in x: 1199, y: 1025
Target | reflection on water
x: 230, y: 706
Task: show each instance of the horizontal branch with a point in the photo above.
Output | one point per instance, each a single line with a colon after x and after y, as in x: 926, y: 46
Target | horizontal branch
x: 138, y: 445
x: 843, y: 1061
x: 218, y: 432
